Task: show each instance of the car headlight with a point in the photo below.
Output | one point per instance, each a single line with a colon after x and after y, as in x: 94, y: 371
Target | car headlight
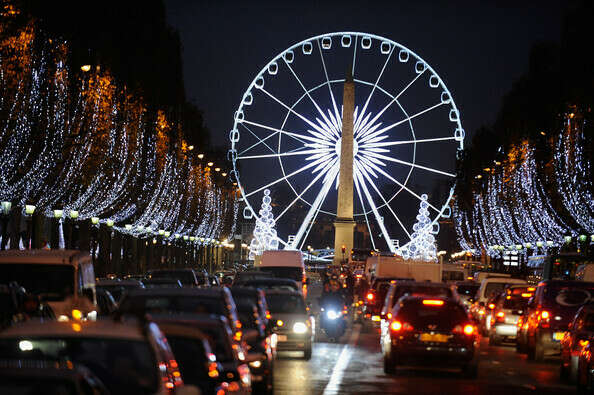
x: 299, y: 327
x: 332, y: 315
x: 255, y: 364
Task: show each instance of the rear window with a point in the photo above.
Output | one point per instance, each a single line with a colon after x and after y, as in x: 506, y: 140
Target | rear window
x: 420, y: 290
x: 569, y: 296
x: 185, y: 277
x: 294, y: 273
x: 467, y: 290
x: 515, y: 303
x: 494, y: 288
x: 191, y: 357
x: 418, y: 314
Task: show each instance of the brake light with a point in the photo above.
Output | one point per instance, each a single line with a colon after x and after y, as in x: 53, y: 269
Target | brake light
x: 468, y: 330
x: 359, y: 276
x: 491, y: 306
x: 544, y: 315
x: 397, y: 326
x: 501, y: 314
x: 268, y: 315
x: 431, y: 302
x: 481, y: 312
x: 543, y: 319
x: 212, y: 370
x: 531, y: 289
x: 583, y: 343
x: 389, y: 315
x: 526, y: 295
x: 370, y: 296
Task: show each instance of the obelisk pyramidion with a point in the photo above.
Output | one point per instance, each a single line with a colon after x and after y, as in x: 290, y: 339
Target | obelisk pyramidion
x: 344, y: 224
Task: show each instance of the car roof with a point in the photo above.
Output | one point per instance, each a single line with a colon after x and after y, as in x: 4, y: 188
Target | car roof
x: 44, y: 256
x: 118, y: 282
x: 173, y: 328
x: 101, y: 328
x: 282, y: 292
x: 244, y: 290
x: 271, y: 280
x: 203, y: 292
x: 200, y: 320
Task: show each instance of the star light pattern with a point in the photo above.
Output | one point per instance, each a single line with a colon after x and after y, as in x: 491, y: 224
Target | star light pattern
x: 318, y: 139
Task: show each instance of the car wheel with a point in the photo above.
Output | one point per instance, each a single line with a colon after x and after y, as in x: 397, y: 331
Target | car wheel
x: 471, y: 370
x: 307, y: 353
x: 539, y: 353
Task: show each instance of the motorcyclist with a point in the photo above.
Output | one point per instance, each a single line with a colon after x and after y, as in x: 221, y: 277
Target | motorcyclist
x: 333, y: 300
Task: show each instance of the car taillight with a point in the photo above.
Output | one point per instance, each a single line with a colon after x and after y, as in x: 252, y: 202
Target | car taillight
x: 370, y: 296
x: 432, y: 302
x: 500, y: 316
x: 543, y: 319
x: 583, y: 343
x: 397, y: 326
x: 519, y: 324
x: 467, y: 329
x: 491, y: 306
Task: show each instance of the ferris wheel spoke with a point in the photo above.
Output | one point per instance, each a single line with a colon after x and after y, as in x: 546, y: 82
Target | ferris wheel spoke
x: 374, y: 87
x: 363, y: 171
x: 327, y: 78
x: 394, y: 99
x: 392, y: 143
x: 316, y: 178
x: 260, y: 141
x: 315, y: 207
x: 290, y: 109
x: 380, y: 156
x: 308, y: 166
x: 364, y: 212
x: 306, y: 152
x: 411, y: 117
x: 354, y: 56
x: 389, y: 177
x: 359, y: 181
x: 326, y: 120
x: 297, y: 136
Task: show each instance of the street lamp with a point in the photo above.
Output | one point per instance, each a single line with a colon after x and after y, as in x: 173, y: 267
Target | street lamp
x: 109, y: 222
x: 29, y: 209
x: 58, y: 214
x: 200, y: 156
x: 73, y: 214
x: 6, y: 207
x: 95, y: 220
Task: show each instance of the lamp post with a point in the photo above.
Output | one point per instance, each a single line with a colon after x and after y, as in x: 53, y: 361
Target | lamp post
x: 6, y: 207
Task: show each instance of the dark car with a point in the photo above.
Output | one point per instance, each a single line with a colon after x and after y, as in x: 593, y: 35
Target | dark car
x: 118, y: 287
x: 291, y: 321
x: 106, y: 304
x: 162, y: 283
x: 272, y: 283
x: 235, y: 375
x: 193, y: 352
x: 467, y: 291
x: 251, y: 307
x: 585, y: 368
x: 241, y: 277
x: 375, y: 298
x: 580, y: 331
x: 549, y: 313
x: 188, y: 277
x: 183, y: 300
x: 427, y: 331
x: 397, y: 289
x: 49, y: 378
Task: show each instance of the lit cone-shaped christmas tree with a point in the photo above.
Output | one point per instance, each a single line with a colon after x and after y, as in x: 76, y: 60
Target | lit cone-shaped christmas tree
x: 264, y: 233
x: 422, y: 243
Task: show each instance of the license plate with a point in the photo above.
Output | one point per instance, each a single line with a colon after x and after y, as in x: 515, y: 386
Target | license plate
x: 433, y: 338
x: 281, y: 338
x: 558, y: 336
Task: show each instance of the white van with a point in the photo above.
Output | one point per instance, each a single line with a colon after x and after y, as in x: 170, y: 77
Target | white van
x: 64, y: 279
x: 283, y: 264
x: 491, y: 286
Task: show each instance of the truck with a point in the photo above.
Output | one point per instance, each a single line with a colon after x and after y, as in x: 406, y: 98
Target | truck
x: 282, y: 264
x: 378, y: 266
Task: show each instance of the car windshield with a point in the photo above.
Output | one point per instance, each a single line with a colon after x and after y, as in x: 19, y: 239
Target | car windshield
x: 468, y: 290
x: 571, y: 296
x: 52, y: 282
x: 184, y: 276
x: 493, y: 288
x: 124, y: 366
x: 191, y: 357
x: 294, y: 273
x: 283, y: 303
x: 422, y: 290
x: 141, y: 304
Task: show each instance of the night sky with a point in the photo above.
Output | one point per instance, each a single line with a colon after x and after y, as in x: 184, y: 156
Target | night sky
x: 478, y: 48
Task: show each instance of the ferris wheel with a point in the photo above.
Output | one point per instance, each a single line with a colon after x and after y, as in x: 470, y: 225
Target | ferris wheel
x: 287, y: 130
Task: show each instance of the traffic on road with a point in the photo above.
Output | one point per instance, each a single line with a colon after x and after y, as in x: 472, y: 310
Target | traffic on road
x: 388, y: 328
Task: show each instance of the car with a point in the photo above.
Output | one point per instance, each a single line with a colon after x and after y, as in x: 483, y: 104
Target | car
x: 466, y: 291
x: 193, y: 352
x: 283, y: 264
x: 491, y: 287
x: 398, y: 289
x: 272, y: 283
x: 374, y: 300
x: 129, y: 357
x: 188, y: 277
x: 291, y: 321
x: 48, y: 377
x: 585, y: 368
x: 235, y: 376
x: 161, y: 283
x: 117, y: 287
x: 504, y: 316
x: 251, y: 307
x: 549, y: 313
x: 183, y: 300
x: 579, y: 333
x: 429, y: 331
x: 106, y: 304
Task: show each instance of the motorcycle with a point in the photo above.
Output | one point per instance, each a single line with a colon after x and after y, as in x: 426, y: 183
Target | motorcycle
x: 333, y: 321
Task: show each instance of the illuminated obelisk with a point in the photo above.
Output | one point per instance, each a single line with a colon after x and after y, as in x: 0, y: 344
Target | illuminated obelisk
x: 344, y: 224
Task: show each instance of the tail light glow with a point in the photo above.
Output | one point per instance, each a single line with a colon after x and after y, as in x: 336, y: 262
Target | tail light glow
x: 468, y: 330
x: 431, y: 302
x: 491, y: 306
x: 370, y: 296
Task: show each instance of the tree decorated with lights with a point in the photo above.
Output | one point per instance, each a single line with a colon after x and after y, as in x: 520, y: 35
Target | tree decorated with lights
x: 265, y: 237
x: 422, y: 245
